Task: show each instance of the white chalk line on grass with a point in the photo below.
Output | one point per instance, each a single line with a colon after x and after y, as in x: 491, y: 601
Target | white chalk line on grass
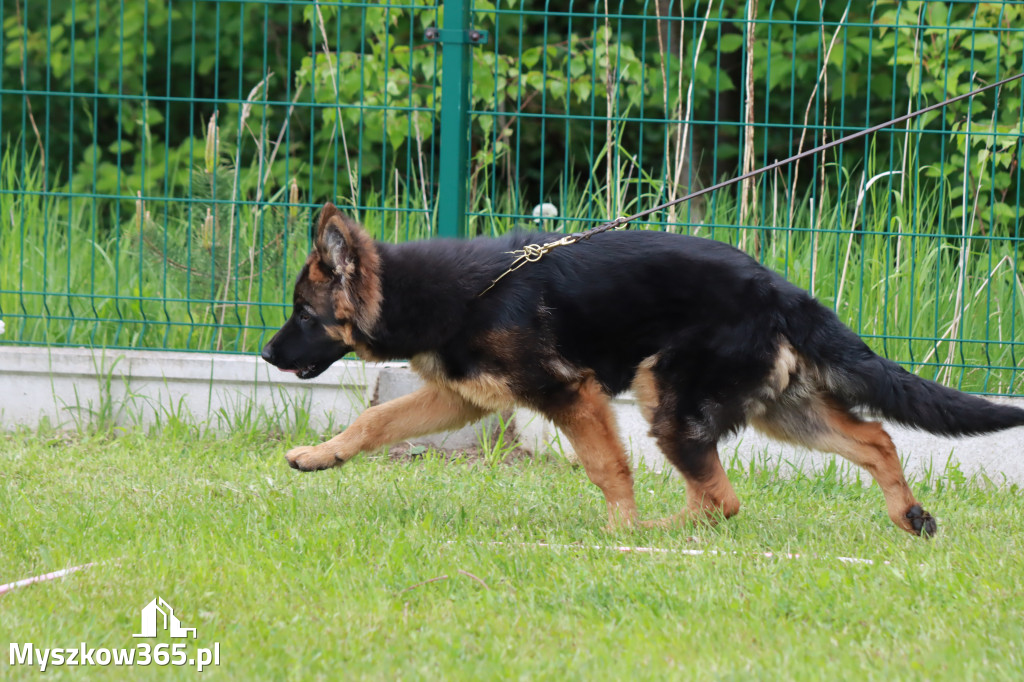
x: 43, y: 578
x: 685, y: 552
x: 531, y: 545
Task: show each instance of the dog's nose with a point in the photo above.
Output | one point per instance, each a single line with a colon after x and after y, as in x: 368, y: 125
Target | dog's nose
x: 268, y: 353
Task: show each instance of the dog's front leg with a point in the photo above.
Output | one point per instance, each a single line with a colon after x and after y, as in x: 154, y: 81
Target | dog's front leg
x: 589, y: 424
x: 428, y: 410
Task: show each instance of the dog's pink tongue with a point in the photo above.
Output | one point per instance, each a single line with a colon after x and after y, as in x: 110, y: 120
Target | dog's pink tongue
x: 291, y: 371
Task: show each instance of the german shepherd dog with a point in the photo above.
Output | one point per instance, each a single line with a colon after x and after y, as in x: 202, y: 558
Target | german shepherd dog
x: 707, y: 339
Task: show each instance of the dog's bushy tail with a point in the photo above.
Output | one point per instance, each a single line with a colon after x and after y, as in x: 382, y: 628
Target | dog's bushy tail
x: 860, y: 378
x: 908, y: 399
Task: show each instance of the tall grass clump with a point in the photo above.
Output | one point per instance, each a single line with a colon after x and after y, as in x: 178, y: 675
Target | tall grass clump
x: 200, y: 272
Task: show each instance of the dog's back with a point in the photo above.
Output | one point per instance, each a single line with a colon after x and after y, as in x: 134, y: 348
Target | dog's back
x: 724, y: 319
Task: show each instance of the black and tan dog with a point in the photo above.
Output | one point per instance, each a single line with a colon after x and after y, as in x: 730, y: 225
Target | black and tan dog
x: 707, y: 339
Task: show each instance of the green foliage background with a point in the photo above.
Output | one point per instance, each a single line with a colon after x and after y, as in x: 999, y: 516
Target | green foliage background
x: 124, y: 101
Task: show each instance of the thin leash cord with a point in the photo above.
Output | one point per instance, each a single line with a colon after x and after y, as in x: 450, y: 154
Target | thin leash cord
x: 532, y: 253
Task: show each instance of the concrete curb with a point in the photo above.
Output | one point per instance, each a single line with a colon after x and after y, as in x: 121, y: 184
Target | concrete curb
x: 70, y: 385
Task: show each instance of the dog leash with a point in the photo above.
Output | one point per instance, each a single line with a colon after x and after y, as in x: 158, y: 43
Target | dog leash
x: 531, y: 253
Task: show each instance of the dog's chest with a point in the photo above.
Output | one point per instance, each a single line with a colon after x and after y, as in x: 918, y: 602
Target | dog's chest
x: 486, y: 390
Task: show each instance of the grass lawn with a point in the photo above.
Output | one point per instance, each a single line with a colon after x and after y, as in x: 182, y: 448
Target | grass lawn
x: 323, y: 576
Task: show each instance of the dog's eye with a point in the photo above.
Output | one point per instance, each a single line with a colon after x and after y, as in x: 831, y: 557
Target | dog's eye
x: 304, y: 316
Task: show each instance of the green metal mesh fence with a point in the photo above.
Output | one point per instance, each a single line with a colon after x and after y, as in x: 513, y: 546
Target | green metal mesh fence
x: 161, y: 161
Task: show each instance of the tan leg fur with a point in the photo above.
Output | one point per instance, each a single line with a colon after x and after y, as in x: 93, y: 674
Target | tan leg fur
x: 428, y: 410
x: 589, y: 425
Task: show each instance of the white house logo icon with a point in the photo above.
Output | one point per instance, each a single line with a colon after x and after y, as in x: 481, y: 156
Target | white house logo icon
x: 158, y: 608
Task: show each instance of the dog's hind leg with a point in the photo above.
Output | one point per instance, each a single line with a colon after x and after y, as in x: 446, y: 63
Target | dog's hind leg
x: 867, y: 444
x: 709, y: 494
x: 822, y: 424
x: 428, y: 410
x: 589, y: 424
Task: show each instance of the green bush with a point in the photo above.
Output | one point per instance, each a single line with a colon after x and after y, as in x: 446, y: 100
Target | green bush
x: 343, y: 99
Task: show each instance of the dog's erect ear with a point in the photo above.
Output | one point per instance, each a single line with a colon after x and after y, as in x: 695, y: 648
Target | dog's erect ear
x: 328, y: 211
x: 339, y: 241
x: 348, y: 253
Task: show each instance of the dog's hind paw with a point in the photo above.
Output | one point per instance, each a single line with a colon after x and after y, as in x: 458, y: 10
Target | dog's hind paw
x: 921, y: 521
x: 310, y: 458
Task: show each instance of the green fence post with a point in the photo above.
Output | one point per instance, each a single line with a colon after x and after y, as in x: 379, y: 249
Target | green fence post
x: 451, y: 192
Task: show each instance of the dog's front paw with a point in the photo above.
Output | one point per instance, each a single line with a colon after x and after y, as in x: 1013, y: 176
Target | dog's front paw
x: 310, y: 458
x: 621, y: 516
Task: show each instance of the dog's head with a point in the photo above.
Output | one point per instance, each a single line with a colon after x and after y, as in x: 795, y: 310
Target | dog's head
x: 336, y: 302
